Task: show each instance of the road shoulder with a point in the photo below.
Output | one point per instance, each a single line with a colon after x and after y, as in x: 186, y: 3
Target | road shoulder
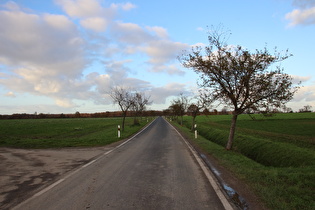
x: 226, y: 177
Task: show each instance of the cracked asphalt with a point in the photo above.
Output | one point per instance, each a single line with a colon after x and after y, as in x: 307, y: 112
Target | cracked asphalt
x: 24, y: 172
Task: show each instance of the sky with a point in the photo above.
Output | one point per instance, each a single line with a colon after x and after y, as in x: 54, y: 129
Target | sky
x: 63, y: 56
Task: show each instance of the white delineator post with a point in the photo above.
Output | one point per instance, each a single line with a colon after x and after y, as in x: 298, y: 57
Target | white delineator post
x: 196, y: 135
x: 118, y: 131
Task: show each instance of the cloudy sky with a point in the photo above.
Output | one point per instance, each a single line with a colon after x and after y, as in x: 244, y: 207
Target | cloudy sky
x: 63, y: 56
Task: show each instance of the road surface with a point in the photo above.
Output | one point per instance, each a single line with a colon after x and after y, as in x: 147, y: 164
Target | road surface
x: 154, y: 170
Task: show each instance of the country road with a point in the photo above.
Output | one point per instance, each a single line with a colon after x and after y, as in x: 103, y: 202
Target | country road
x: 154, y: 170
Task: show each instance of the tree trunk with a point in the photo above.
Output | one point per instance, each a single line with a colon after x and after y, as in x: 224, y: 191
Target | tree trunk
x: 232, y: 132
x: 123, y: 122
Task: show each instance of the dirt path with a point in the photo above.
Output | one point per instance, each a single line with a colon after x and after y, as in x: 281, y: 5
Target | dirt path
x: 24, y: 172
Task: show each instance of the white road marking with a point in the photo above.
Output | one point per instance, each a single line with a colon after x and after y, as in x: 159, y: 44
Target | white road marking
x: 88, y: 164
x: 48, y: 188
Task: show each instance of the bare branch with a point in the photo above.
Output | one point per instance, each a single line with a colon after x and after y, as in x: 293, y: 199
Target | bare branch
x: 238, y: 77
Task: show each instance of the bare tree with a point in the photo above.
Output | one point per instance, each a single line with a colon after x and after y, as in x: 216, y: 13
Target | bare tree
x: 202, y: 101
x: 238, y: 77
x: 306, y: 108
x: 124, y: 98
x: 176, y: 109
x: 140, y: 101
x: 179, y: 106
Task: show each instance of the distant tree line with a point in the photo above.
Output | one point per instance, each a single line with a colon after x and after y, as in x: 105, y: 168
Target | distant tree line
x: 80, y: 115
x: 194, y: 108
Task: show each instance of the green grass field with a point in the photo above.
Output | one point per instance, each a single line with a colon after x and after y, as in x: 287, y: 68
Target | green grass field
x: 274, y: 155
x: 52, y: 133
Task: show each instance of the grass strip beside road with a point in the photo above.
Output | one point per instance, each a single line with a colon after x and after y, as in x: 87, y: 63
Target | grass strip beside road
x: 69, y: 132
x: 290, y: 187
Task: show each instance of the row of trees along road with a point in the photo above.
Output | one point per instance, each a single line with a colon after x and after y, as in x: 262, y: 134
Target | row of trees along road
x: 129, y: 100
x: 192, y: 106
x: 239, y: 78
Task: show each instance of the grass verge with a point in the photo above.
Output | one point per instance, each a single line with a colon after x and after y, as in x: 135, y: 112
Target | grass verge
x: 278, y: 186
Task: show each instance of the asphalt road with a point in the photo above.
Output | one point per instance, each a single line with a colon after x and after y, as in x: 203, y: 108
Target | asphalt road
x: 155, y: 170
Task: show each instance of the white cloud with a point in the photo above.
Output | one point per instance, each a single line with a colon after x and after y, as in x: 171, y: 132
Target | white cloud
x: 95, y: 23
x: 298, y: 79
x: 47, y: 54
x: 64, y: 103
x: 169, y: 69
x: 40, y: 52
x: 128, y: 6
x: 92, y: 14
x: 131, y: 33
x: 152, y: 41
x: 124, y: 6
x: 47, y: 86
x: 81, y: 8
x: 199, y: 44
x: 48, y: 42
x: 305, y: 96
x: 118, y: 73
x: 305, y: 15
x: 305, y: 93
x: 10, y: 94
x: 158, y: 31
x: 160, y: 94
x: 60, y: 22
x: 163, y: 51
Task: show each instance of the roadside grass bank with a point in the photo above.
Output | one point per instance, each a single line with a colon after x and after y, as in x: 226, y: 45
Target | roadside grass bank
x: 275, y: 156
x: 57, y: 133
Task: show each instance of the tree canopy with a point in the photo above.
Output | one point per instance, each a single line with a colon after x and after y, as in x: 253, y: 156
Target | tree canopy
x: 127, y: 99
x: 240, y: 78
